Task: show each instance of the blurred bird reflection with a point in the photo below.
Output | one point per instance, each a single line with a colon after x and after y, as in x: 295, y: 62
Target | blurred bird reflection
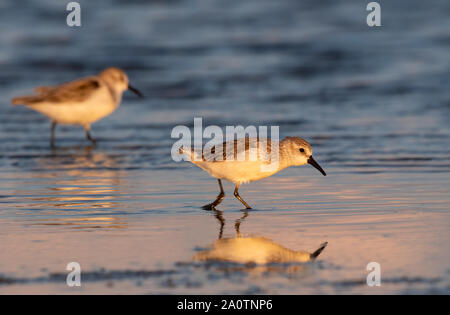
x: 255, y: 253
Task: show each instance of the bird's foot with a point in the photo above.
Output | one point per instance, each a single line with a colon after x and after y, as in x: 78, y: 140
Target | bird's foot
x: 209, y: 206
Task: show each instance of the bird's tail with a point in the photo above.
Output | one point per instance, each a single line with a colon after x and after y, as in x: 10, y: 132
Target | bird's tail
x: 26, y: 100
x: 190, y: 154
x: 319, y: 250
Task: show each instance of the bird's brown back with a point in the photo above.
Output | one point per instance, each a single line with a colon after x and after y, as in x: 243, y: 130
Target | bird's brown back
x: 231, y: 149
x: 77, y: 91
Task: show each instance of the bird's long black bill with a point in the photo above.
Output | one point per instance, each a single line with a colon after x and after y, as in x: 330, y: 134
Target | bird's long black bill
x: 135, y: 91
x: 316, y: 165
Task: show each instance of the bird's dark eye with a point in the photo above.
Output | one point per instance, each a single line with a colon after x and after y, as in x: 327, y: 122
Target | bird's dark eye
x: 302, y: 150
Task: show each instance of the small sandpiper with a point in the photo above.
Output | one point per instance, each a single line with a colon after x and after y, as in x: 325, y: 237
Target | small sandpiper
x: 292, y: 151
x: 81, y: 102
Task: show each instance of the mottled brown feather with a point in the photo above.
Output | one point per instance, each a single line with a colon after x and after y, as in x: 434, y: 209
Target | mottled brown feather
x: 43, y: 89
x: 76, y: 91
x: 234, y: 147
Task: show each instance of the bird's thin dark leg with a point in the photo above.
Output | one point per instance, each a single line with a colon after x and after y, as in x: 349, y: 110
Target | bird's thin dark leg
x: 212, y: 206
x: 89, y: 137
x: 52, y: 134
x: 236, y: 194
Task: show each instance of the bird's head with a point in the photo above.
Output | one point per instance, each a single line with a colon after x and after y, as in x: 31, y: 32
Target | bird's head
x: 300, y: 152
x: 118, y: 79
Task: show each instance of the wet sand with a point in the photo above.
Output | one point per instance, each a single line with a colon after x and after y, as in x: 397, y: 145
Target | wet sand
x: 142, y: 239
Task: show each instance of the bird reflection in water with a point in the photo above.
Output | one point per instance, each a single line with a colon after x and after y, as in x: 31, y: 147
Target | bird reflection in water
x: 79, y: 180
x: 254, y: 253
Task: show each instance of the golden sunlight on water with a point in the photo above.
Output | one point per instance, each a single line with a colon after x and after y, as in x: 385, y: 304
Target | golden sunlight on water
x: 86, y: 187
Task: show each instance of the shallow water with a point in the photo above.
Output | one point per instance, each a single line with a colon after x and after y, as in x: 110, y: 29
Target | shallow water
x: 374, y: 103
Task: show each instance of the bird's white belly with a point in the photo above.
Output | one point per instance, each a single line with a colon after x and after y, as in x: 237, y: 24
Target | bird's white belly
x: 236, y: 171
x: 76, y: 113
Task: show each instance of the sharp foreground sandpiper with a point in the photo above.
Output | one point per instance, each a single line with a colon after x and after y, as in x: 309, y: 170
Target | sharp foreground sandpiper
x: 81, y: 102
x: 292, y: 151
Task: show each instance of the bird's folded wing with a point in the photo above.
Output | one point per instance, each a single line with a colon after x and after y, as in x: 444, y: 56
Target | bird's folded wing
x: 75, y: 91
x: 44, y: 89
x: 244, y: 149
